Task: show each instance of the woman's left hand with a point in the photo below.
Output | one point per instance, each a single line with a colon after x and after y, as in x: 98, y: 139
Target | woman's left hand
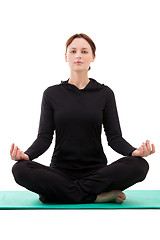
x: 144, y: 150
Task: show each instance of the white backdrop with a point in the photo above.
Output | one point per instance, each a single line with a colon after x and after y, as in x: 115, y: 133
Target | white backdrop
x: 32, y: 46
x: 33, y: 40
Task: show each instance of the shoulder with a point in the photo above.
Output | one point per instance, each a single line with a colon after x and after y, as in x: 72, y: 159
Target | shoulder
x: 108, y: 89
x: 109, y: 93
x: 102, y: 86
x: 51, y: 89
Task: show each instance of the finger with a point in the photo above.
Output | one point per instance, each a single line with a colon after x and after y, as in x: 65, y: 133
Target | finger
x: 143, y: 147
x: 153, y: 148
x: 148, y: 146
x: 20, y: 154
x: 11, y: 150
x: 140, y: 151
x: 145, y: 150
x: 14, y: 153
x: 17, y: 155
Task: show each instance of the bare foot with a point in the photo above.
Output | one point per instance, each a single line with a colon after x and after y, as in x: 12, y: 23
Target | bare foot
x: 115, y: 196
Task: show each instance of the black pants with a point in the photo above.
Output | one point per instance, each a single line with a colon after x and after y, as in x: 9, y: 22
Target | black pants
x: 67, y: 186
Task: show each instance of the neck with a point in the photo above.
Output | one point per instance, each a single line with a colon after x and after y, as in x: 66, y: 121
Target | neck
x: 80, y: 79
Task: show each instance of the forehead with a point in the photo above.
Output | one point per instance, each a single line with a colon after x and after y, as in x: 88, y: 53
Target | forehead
x: 79, y: 43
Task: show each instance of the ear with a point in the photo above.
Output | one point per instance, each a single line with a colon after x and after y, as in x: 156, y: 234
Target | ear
x: 66, y: 57
x: 93, y: 59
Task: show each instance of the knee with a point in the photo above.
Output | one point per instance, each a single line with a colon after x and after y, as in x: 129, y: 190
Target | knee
x: 141, y: 167
x: 18, y: 170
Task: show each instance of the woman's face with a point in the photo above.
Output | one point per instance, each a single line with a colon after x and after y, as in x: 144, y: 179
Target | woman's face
x: 79, y: 55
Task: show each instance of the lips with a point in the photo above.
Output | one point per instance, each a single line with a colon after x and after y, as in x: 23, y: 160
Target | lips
x: 78, y: 62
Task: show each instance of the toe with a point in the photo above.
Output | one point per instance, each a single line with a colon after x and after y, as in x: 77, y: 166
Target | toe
x: 119, y: 200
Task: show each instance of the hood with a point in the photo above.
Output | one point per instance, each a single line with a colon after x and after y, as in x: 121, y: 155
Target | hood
x: 93, y: 85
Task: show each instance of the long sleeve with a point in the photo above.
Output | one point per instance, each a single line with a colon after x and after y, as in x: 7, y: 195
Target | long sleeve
x: 77, y: 116
x: 112, y: 127
x: 45, y: 131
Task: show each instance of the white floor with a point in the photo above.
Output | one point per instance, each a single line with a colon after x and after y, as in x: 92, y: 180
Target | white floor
x: 79, y: 224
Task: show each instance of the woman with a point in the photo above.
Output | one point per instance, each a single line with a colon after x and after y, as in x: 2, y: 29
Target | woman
x: 76, y: 109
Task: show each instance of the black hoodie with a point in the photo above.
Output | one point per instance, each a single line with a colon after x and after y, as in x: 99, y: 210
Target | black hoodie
x: 77, y: 116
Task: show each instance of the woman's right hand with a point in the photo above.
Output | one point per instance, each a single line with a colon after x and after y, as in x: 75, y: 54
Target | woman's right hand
x: 16, y: 154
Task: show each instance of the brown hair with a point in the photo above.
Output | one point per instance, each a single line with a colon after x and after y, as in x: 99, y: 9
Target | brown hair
x: 87, y: 38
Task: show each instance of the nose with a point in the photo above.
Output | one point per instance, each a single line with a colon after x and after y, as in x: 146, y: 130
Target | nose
x: 78, y: 55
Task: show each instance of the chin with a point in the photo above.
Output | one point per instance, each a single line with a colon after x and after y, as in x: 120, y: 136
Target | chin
x: 79, y: 69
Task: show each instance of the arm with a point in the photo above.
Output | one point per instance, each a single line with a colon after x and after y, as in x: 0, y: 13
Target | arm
x: 45, y: 131
x: 112, y: 127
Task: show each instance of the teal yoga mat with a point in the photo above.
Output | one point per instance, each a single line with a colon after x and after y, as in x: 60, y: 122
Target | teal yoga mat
x: 135, y: 199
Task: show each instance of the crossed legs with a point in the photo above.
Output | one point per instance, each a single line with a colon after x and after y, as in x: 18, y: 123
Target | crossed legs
x: 100, y: 185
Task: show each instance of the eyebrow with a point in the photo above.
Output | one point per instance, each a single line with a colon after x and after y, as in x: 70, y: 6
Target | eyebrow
x: 81, y: 48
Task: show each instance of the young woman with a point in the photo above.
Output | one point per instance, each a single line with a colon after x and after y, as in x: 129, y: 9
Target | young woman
x: 76, y: 109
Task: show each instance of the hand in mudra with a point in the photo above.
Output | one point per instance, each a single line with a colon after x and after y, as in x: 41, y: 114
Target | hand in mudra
x: 16, y: 154
x: 144, y: 150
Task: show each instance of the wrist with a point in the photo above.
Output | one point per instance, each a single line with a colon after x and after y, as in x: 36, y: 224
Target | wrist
x: 133, y: 153
x: 27, y: 157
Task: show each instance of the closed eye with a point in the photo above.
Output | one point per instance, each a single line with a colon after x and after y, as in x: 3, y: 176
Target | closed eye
x: 75, y: 51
